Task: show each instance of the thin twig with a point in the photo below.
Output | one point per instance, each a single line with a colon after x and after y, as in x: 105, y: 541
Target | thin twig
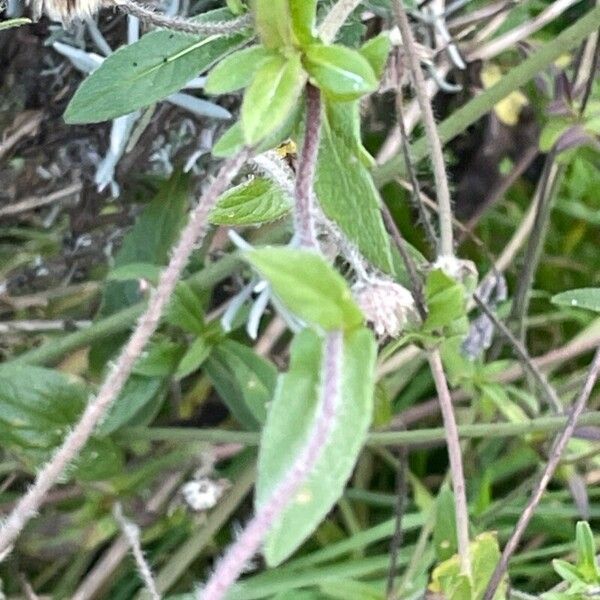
x: 132, y: 534
x: 446, y: 246
x: 555, y: 455
x: 454, y: 454
x: 97, y: 407
x: 399, y: 508
x: 409, y: 263
x: 410, y: 168
x: 231, y: 565
x: 336, y: 18
x: 110, y: 560
x: 147, y: 14
x: 549, y: 392
x: 305, y: 210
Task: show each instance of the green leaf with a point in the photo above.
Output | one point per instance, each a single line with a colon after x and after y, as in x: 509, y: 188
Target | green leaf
x: 376, y: 51
x: 344, y: 186
x: 160, y: 358
x: 586, y: 553
x: 149, y: 70
x: 567, y: 571
x: 38, y: 407
x: 197, y: 353
x: 291, y: 417
x: 271, y: 97
x: 257, y: 201
x: 444, y: 532
x: 237, y: 70
x: 340, y: 72
x: 138, y: 393
x: 133, y: 271
x: 273, y: 22
x: 498, y: 396
x: 303, y: 14
x: 583, y: 298
x: 445, y: 299
x: 552, y: 131
x: 308, y: 286
x: 244, y: 380
x: 448, y: 581
x: 230, y: 143
x: 185, y: 310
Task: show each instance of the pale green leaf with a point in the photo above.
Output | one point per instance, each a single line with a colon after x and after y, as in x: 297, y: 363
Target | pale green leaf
x: 376, y: 51
x: 271, y: 97
x: 133, y: 271
x: 340, y: 72
x: 257, y: 201
x: 291, y: 417
x: 588, y: 298
x: 149, y: 70
x: 273, y: 22
x: 303, y: 14
x: 237, y: 70
x: 308, y: 286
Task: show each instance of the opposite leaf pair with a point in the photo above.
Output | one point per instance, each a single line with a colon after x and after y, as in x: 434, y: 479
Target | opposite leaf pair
x: 276, y: 71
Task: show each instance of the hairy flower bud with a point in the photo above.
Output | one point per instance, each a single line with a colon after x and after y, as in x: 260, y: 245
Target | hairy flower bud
x: 388, y: 306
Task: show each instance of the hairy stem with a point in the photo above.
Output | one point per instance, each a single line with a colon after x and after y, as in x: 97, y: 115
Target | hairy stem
x: 149, y: 15
x: 416, y: 188
x: 305, y: 210
x: 97, y: 407
x: 132, y: 534
x: 454, y: 454
x: 446, y: 245
x: 336, y: 18
x: 231, y: 565
x: 556, y: 452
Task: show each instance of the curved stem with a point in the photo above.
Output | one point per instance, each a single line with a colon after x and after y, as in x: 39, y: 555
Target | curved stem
x: 336, y: 18
x: 231, y: 565
x: 97, y: 407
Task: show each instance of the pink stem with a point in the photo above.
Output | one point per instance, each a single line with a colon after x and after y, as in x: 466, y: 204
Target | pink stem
x: 231, y: 565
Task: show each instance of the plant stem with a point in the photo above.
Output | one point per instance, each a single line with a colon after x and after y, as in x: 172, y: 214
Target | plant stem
x: 446, y: 244
x: 454, y: 454
x: 181, y: 435
x: 132, y: 533
x: 549, y: 392
x: 414, y: 181
x: 481, y: 104
x: 304, y: 194
x: 556, y: 452
x: 231, y: 565
x: 194, y: 27
x: 336, y: 18
x: 97, y: 407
